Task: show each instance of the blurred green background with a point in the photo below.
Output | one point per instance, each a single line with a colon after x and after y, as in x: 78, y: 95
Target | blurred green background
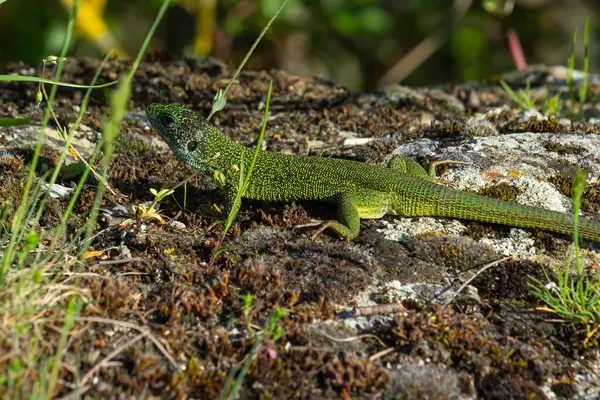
x: 361, y: 44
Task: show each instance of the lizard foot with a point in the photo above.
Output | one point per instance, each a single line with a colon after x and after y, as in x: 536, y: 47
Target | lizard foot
x: 329, y: 224
x: 322, y: 226
x: 434, y: 165
x: 307, y: 225
x: 216, y: 222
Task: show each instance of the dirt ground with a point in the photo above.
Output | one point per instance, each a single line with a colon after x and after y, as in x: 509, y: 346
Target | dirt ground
x: 489, y: 343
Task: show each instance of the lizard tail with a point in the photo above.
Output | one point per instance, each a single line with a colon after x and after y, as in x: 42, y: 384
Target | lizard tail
x: 457, y: 204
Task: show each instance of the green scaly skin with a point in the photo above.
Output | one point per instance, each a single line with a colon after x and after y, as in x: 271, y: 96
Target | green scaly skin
x: 359, y: 190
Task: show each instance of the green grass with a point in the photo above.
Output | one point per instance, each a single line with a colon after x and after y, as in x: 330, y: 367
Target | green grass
x: 55, y: 82
x: 571, y: 65
x: 219, y: 103
x: 574, y: 298
x: 14, y: 121
x: 220, y: 99
x: 243, y: 184
x: 33, y: 283
x: 32, y: 277
x: 24, y: 285
x: 522, y: 97
x: 525, y: 100
x: 271, y: 332
x: 571, y: 68
x: 586, y: 65
x: 554, y: 105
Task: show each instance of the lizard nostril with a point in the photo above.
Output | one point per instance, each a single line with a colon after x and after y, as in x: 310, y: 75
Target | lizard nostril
x: 168, y: 120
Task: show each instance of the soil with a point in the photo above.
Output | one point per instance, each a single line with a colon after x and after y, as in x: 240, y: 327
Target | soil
x: 491, y: 342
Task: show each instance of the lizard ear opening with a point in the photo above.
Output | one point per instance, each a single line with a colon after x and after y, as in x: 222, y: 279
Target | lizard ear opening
x: 192, y: 145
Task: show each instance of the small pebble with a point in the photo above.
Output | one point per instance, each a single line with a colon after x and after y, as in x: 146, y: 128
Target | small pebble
x: 176, y: 225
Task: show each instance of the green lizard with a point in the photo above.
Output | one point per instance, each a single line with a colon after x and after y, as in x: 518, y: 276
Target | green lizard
x: 359, y: 190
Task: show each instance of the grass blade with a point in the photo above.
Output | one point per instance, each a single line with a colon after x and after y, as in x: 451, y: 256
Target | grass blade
x: 221, y: 97
x: 586, y: 64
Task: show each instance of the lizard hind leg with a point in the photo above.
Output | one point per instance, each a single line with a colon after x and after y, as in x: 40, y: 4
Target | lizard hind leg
x: 409, y: 166
x: 352, y: 206
x: 433, y: 166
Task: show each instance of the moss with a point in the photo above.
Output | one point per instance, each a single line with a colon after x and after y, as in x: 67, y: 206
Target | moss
x: 132, y: 143
x: 197, y: 315
x: 548, y: 125
x: 12, y: 179
x: 445, y: 128
x: 52, y: 214
x: 197, y: 381
x: 562, y: 148
x: 503, y: 191
x: 48, y: 157
x: 480, y: 128
x: 10, y: 164
x: 590, y: 198
x: 464, y: 341
x: 508, y: 282
x: 476, y: 230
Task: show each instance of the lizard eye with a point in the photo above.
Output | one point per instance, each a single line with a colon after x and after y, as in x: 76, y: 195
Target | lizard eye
x: 192, y: 145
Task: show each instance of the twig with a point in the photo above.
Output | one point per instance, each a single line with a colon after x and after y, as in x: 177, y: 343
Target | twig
x: 126, y: 325
x: 479, y: 272
x: 100, y: 232
x: 76, y: 395
x: 7, y: 356
x: 137, y: 328
x: 516, y: 51
x: 115, y: 262
x: 381, y: 353
x: 69, y: 273
x: 109, y: 357
x: 312, y: 348
x: 348, y: 339
x: 380, y: 309
x: 134, y: 273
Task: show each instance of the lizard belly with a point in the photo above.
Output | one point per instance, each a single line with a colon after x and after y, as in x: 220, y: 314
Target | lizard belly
x: 373, y: 204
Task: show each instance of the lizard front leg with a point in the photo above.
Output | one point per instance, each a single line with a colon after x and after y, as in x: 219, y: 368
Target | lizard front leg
x: 229, y: 207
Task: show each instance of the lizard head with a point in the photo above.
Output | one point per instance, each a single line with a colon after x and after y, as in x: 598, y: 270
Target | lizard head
x: 193, y: 140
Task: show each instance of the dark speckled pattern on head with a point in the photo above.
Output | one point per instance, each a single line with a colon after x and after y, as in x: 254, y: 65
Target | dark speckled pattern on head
x: 370, y: 191
x: 192, y: 139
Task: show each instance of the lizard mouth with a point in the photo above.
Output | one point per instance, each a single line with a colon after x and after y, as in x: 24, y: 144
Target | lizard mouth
x: 151, y: 113
x: 161, y: 121
x: 152, y: 110
x: 155, y: 115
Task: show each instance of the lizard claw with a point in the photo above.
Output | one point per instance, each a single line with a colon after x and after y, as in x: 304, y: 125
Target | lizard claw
x: 433, y: 166
x: 213, y: 224
x: 307, y: 225
x: 323, y: 226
